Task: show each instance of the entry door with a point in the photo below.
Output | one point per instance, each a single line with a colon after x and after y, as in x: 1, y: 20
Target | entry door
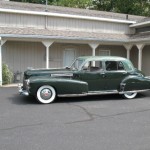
x: 68, y: 57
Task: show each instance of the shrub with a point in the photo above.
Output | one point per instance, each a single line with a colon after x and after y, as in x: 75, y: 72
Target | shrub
x: 7, y: 75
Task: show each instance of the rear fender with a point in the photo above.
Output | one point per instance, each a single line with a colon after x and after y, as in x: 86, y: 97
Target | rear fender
x: 135, y: 83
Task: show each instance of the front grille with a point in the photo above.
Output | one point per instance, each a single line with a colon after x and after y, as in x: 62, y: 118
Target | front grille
x: 24, y: 84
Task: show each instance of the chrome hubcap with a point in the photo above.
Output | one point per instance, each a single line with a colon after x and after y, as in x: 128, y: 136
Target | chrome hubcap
x: 46, y: 94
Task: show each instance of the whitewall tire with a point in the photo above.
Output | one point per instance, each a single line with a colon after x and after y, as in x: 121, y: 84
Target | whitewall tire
x: 130, y: 95
x: 46, y: 94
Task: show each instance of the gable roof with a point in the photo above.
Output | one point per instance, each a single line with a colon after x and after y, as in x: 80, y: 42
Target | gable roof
x: 141, y: 23
x: 67, y: 10
x: 62, y: 34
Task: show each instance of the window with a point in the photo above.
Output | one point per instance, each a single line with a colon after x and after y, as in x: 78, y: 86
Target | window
x: 104, y: 52
x: 93, y: 66
x: 77, y: 64
x: 114, y: 65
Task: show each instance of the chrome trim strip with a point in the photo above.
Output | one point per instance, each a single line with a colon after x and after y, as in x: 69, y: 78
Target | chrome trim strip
x: 72, y: 95
x: 101, y: 93
x: 59, y: 75
x: 138, y: 91
x: 90, y: 93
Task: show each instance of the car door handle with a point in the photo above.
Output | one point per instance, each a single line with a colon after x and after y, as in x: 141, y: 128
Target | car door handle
x: 103, y: 74
x: 124, y: 73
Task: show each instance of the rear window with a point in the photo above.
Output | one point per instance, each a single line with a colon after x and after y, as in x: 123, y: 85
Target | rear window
x: 114, y: 65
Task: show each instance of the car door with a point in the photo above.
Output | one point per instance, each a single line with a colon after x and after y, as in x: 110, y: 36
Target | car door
x: 93, y: 74
x: 114, y: 73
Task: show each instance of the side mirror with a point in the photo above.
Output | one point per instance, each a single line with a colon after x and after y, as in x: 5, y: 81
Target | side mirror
x: 67, y: 67
x: 136, y: 69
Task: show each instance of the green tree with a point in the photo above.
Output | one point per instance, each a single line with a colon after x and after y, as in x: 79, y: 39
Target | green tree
x: 67, y: 3
x: 73, y: 3
x: 103, y: 5
x: 135, y: 7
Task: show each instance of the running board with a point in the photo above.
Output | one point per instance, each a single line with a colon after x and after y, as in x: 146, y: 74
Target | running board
x: 102, y: 93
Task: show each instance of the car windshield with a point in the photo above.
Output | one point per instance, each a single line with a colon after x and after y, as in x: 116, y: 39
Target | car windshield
x: 77, y: 64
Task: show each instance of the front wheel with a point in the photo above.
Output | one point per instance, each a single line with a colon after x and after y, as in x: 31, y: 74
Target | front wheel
x: 46, y: 94
x: 130, y: 95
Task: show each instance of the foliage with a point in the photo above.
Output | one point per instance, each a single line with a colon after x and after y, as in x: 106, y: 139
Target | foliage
x: 74, y: 3
x: 135, y: 7
x: 7, y: 75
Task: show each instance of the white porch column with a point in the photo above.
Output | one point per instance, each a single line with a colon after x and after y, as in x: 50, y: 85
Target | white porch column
x: 128, y: 48
x: 1, y: 44
x: 140, y: 48
x: 47, y: 44
x: 93, y: 46
x: 0, y: 63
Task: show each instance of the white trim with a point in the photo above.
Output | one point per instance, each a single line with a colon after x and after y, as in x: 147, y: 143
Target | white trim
x: 128, y: 49
x: 140, y: 48
x: 0, y: 63
x: 47, y: 44
x: 65, y: 16
x: 140, y: 24
x: 47, y: 57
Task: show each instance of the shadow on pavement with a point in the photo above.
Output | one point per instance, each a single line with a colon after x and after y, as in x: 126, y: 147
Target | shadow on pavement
x: 23, y: 100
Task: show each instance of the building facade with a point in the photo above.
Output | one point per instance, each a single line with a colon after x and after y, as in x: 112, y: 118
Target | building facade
x: 36, y: 36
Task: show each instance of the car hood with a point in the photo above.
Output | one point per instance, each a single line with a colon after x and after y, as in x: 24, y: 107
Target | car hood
x: 47, y: 72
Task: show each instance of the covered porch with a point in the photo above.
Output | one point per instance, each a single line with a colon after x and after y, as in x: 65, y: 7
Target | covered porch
x: 20, y: 53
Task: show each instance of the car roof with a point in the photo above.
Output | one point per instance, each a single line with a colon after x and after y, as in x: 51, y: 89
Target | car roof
x: 96, y: 58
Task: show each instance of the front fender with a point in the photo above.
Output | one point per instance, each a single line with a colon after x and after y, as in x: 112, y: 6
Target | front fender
x: 133, y: 82
x: 62, y: 86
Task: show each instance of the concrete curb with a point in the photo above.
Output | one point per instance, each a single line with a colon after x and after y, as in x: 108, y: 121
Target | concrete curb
x: 11, y: 85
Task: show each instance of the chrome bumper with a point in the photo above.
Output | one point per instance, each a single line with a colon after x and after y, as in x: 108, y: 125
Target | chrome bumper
x: 21, y: 91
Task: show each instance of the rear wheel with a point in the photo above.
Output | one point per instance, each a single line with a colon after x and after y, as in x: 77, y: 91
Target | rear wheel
x: 46, y: 94
x: 130, y: 95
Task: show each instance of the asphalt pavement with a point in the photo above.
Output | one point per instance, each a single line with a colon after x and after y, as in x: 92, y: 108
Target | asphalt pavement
x: 86, y: 123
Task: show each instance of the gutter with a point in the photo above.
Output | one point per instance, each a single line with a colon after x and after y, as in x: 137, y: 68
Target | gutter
x: 41, y: 37
x: 65, y: 16
x: 59, y: 38
x: 140, y: 24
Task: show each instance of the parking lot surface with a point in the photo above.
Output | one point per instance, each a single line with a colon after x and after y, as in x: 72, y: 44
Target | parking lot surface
x: 86, y: 123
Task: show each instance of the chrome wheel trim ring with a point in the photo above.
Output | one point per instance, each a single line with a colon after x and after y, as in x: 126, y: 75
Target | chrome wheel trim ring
x: 130, y: 95
x: 46, y: 94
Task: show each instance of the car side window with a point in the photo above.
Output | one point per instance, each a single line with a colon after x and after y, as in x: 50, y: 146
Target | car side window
x: 114, y: 65
x: 93, y: 66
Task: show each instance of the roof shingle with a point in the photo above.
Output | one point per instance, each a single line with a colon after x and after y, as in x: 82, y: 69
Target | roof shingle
x: 67, y: 10
x: 61, y: 34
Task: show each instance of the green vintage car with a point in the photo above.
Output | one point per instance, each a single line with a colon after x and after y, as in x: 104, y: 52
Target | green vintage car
x: 88, y: 75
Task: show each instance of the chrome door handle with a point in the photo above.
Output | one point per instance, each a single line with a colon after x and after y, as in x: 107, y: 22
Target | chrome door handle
x: 103, y: 74
x: 124, y: 73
